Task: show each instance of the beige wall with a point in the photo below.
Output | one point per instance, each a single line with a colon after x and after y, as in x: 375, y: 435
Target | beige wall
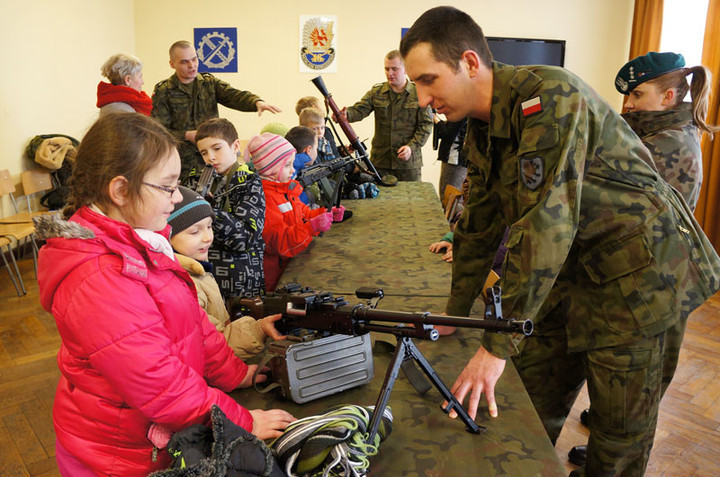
x: 51, y: 67
x: 56, y: 47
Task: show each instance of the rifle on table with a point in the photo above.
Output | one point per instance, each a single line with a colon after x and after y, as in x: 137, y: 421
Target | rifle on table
x: 303, y: 309
x: 367, y: 165
x: 318, y: 171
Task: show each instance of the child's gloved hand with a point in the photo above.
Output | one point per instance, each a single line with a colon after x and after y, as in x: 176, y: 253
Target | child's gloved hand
x: 322, y: 222
x: 338, y: 213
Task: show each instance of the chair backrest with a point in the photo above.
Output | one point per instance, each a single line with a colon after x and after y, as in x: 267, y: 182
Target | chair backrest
x: 6, y: 183
x: 7, y: 187
x: 35, y: 180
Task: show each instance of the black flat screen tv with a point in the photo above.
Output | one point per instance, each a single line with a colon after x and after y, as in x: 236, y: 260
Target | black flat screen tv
x: 527, y: 51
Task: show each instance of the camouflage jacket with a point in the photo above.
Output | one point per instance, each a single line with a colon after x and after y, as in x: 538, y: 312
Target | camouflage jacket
x: 237, y: 250
x: 183, y: 107
x: 674, y: 142
x: 399, y: 121
x: 591, y: 226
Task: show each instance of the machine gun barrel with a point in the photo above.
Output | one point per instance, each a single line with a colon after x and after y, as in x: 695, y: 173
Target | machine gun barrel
x: 369, y: 314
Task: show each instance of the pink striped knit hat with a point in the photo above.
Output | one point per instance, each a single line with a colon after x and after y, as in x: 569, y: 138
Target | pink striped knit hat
x: 269, y: 154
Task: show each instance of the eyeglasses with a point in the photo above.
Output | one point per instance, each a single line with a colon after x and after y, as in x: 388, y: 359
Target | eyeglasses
x: 169, y: 190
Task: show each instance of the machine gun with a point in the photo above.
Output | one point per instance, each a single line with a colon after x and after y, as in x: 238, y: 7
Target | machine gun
x: 305, y: 309
x: 359, y: 147
x: 322, y: 170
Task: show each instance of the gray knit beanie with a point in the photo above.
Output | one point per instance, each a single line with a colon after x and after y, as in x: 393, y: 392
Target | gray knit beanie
x: 193, y: 208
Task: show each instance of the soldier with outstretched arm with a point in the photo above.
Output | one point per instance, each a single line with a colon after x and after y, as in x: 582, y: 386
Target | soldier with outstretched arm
x: 604, y: 256
x: 187, y: 99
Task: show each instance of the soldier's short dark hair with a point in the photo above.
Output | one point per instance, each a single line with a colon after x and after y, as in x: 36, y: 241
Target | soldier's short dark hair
x: 449, y: 32
x: 179, y: 44
x: 300, y: 137
x: 217, y: 127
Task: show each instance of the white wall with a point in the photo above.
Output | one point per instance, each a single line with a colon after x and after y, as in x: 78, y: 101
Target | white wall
x: 54, y: 50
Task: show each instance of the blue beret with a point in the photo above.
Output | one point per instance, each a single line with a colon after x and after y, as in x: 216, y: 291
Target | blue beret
x: 646, y: 67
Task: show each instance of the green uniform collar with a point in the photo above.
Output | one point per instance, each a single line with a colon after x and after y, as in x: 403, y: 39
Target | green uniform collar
x: 650, y: 122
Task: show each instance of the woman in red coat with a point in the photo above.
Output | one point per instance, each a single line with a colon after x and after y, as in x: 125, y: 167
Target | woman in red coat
x: 138, y: 354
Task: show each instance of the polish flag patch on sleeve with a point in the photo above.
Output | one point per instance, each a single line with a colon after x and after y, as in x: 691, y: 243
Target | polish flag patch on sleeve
x: 532, y: 105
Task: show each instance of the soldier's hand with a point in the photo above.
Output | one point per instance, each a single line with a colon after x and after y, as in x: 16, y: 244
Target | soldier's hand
x: 404, y: 153
x: 263, y: 106
x: 190, y: 136
x: 479, y: 376
x: 270, y: 424
x: 343, y: 115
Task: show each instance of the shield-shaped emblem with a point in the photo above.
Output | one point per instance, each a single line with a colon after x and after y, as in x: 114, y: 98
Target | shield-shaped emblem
x: 531, y: 171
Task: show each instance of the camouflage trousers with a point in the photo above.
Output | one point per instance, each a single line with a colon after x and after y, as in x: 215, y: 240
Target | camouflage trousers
x: 625, y: 385
x: 410, y: 175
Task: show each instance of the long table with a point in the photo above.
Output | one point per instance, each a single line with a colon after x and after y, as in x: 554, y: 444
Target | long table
x: 385, y: 244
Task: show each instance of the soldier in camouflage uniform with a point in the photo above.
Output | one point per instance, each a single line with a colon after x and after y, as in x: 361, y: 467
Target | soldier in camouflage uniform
x: 656, y: 84
x: 401, y: 126
x: 185, y: 100
x: 603, y: 255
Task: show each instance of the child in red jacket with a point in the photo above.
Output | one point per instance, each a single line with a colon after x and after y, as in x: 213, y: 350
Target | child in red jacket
x: 290, y: 225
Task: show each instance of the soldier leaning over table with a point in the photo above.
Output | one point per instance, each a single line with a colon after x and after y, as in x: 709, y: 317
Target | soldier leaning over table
x: 604, y: 256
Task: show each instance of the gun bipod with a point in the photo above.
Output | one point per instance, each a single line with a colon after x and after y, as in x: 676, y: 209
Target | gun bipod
x: 406, y: 350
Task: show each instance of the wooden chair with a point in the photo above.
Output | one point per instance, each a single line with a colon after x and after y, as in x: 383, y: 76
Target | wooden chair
x: 18, y: 284
x: 22, y: 231
x: 450, y: 201
x: 33, y: 181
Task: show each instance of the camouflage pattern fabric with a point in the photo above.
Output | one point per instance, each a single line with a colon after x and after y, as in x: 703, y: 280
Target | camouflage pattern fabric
x: 183, y: 107
x: 237, y: 249
x: 595, y: 237
x: 385, y: 244
x: 674, y: 142
x: 399, y: 121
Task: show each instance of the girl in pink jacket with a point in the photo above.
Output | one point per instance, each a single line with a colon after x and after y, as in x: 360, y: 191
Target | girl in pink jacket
x: 138, y: 354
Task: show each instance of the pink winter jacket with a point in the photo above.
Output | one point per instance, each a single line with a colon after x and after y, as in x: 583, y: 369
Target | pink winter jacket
x: 136, y: 346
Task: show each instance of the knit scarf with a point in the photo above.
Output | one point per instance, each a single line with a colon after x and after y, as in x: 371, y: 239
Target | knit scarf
x: 114, y: 93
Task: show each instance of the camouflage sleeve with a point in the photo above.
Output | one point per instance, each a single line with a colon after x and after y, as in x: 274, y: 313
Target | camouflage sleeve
x: 423, y: 128
x: 240, y: 224
x: 161, y: 111
x: 235, y: 98
x: 362, y: 108
x: 552, y: 153
x: 477, y: 235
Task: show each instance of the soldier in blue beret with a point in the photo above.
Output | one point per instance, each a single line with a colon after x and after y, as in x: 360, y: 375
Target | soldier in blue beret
x: 602, y: 254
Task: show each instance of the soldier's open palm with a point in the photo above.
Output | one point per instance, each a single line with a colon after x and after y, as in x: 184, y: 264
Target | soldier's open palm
x: 479, y: 376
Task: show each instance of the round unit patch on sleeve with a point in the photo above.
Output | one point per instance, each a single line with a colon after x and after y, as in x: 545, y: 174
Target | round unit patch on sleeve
x: 531, y: 171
